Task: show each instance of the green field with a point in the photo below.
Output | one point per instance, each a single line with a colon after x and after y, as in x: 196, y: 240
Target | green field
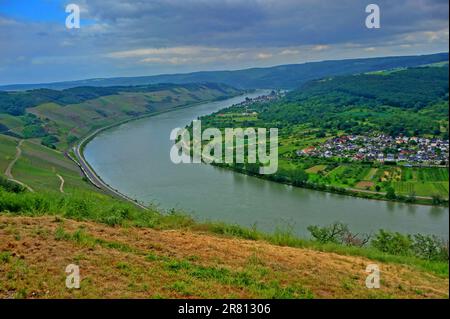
x: 423, y: 182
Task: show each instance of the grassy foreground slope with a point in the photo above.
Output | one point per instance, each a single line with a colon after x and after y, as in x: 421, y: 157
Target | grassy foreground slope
x: 118, y: 262
x: 126, y: 252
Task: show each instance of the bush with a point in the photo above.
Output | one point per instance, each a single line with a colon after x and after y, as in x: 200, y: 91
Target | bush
x: 437, y: 200
x: 35, y: 130
x: 390, y: 193
x: 71, y: 139
x: 78, y: 209
x: 50, y: 141
x: 338, y: 233
x: 393, y: 243
x: 430, y: 247
x: 11, y: 186
x: 329, y: 234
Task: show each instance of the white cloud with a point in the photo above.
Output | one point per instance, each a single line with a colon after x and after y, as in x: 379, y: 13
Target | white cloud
x: 290, y: 52
x: 264, y: 56
x: 159, y: 51
x: 320, y: 47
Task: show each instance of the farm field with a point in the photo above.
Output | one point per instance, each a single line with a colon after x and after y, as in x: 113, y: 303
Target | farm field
x: 405, y: 181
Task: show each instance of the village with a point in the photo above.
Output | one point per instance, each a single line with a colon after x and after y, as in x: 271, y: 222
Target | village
x: 273, y: 96
x: 383, y: 148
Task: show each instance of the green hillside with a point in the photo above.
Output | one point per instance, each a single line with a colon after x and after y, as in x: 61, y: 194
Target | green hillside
x: 58, y: 118
x: 412, y: 102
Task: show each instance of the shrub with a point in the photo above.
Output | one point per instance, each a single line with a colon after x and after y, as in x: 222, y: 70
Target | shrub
x: 338, y: 233
x: 50, y: 141
x: 430, y: 247
x: 393, y: 243
x: 35, y: 130
x: 390, y: 193
x: 71, y: 139
x: 437, y: 199
x: 5, y: 257
x: 329, y: 234
x: 11, y: 186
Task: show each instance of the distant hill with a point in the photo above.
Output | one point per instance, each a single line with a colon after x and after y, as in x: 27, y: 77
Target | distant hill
x: 15, y: 103
x: 60, y: 117
x: 282, y: 77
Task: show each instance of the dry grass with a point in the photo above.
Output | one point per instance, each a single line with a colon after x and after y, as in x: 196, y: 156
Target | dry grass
x: 147, y: 263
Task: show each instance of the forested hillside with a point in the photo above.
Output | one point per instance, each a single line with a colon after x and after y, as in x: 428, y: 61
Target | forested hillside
x: 15, y: 103
x: 58, y: 118
x: 411, y: 102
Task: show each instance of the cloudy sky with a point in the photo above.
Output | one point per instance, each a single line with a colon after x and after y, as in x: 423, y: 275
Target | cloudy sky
x: 137, y: 37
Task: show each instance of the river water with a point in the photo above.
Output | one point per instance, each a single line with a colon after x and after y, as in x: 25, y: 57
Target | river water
x: 134, y: 159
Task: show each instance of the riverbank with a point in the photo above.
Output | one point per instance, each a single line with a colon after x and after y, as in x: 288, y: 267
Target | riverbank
x: 416, y: 200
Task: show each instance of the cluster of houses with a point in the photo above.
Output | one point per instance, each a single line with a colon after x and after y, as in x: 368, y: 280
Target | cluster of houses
x: 383, y: 148
x: 273, y: 96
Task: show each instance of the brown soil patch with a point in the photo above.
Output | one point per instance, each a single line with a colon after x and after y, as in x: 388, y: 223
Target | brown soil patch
x: 365, y: 184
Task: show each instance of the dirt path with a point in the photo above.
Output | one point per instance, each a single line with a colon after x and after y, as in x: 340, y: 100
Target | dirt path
x: 61, y: 187
x: 8, y: 171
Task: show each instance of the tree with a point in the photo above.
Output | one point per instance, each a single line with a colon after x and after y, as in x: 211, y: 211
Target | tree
x: 436, y: 199
x: 298, y: 177
x: 390, y: 193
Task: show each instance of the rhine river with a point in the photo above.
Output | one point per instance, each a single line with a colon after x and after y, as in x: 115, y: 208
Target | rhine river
x: 134, y: 159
